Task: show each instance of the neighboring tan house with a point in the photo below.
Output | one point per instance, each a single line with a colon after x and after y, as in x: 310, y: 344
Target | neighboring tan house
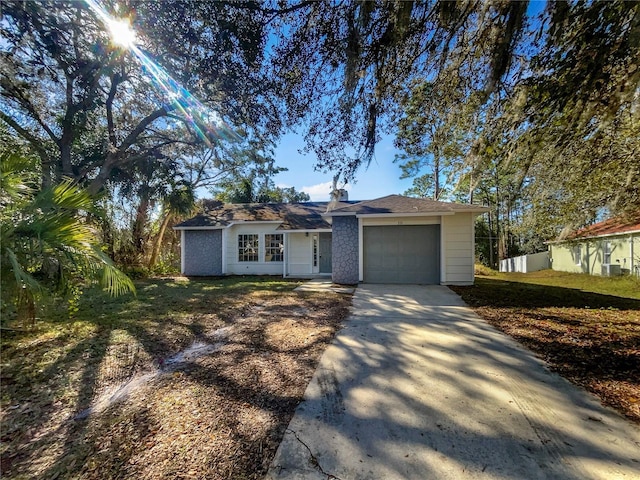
x: 607, y: 248
x: 393, y: 239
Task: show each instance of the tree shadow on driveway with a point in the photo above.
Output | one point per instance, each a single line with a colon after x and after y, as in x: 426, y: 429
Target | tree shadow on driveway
x: 417, y: 390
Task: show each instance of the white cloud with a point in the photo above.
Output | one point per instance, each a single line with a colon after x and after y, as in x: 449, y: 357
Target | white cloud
x: 319, y: 192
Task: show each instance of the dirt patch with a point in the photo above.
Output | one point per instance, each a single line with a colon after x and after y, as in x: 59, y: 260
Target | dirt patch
x: 593, y: 340
x: 213, y: 405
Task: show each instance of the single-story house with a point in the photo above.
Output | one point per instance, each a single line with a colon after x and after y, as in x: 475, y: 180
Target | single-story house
x: 393, y: 239
x: 606, y: 248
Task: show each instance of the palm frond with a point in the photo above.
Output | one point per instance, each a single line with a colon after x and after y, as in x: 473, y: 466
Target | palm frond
x: 22, y: 278
x: 66, y: 195
x: 113, y: 280
x: 49, y: 244
x: 17, y: 178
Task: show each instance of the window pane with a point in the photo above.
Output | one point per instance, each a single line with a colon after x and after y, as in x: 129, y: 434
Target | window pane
x: 248, y: 248
x: 273, y: 248
x: 577, y: 254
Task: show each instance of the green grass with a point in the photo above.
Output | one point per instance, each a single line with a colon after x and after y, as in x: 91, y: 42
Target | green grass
x: 624, y: 286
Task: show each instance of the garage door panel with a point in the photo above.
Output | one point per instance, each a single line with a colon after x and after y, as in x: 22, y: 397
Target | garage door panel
x: 402, y: 254
x: 389, y: 262
x: 408, y: 263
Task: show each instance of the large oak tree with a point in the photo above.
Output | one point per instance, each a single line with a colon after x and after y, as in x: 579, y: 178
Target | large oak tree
x: 89, y: 108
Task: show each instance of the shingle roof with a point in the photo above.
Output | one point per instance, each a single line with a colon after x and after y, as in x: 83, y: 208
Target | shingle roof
x: 612, y: 226
x: 398, y: 204
x: 311, y: 215
x: 294, y: 216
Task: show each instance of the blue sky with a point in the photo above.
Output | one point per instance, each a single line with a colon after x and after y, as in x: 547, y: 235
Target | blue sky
x: 380, y: 179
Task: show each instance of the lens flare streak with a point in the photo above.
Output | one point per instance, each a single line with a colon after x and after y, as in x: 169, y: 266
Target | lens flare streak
x: 206, y: 122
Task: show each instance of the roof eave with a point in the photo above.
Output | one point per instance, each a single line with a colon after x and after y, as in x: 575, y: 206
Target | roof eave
x: 591, y: 237
x: 230, y: 224
x: 406, y: 214
x: 306, y: 230
x: 337, y: 214
x: 419, y: 214
x: 201, y: 227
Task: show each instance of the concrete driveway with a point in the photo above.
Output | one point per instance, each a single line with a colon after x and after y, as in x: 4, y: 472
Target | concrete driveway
x: 416, y: 386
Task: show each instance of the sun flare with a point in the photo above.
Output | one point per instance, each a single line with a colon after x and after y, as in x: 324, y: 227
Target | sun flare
x: 206, y: 122
x: 121, y: 33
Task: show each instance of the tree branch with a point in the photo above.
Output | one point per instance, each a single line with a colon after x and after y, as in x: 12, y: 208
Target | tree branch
x: 24, y: 102
x: 115, y: 81
x: 35, y: 142
x: 255, y: 6
x: 144, y: 123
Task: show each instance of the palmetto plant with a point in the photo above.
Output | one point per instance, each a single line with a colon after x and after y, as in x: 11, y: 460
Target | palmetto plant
x: 48, y: 244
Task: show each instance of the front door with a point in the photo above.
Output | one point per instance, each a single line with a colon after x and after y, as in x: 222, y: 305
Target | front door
x: 325, y: 252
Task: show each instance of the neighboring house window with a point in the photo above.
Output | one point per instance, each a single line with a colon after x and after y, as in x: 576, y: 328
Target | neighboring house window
x: 248, y: 248
x: 577, y: 254
x: 607, y: 253
x: 273, y: 247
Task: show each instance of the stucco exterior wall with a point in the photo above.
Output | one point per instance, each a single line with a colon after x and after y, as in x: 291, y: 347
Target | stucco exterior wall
x: 261, y: 267
x: 344, y: 251
x: 564, y: 256
x: 202, y: 252
x: 458, y: 255
x: 621, y: 252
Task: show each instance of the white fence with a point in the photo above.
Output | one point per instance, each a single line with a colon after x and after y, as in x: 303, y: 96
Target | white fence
x: 526, y: 263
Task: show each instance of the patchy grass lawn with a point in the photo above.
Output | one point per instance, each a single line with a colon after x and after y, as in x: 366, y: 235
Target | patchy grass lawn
x: 587, y: 328
x: 623, y: 286
x: 217, y: 411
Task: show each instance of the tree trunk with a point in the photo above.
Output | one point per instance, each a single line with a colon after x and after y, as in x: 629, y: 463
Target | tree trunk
x: 436, y: 175
x: 499, y: 226
x: 491, y: 255
x: 158, y: 243
x: 138, y: 230
x: 65, y: 158
x: 103, y: 175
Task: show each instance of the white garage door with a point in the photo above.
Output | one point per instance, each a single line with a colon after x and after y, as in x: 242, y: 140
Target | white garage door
x: 402, y: 254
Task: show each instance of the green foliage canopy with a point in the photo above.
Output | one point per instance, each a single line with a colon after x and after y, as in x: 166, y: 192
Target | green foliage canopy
x: 554, y: 92
x: 90, y: 109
